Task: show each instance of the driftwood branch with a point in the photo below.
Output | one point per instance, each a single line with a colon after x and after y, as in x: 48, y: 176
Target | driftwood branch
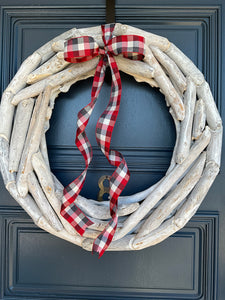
x: 52, y: 66
x: 199, y: 119
x: 6, y: 115
x: 212, y: 115
x: 185, y: 136
x: 33, y: 140
x: 171, y: 68
x: 166, y: 86
x: 4, y: 162
x: 177, y: 126
x: 20, y: 128
x: 57, y: 79
x: 41, y: 201
x: 48, y: 186
x: 185, y: 64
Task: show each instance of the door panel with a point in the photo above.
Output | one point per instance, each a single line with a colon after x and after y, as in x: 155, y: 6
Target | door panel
x: 37, y: 265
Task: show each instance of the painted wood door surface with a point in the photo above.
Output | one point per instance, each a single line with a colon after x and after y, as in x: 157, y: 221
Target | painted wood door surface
x: 188, y: 265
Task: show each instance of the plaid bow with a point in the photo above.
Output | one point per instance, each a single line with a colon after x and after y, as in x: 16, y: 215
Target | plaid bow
x: 79, y: 50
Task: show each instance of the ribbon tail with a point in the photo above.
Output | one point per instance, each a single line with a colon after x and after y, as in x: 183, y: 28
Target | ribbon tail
x: 69, y: 209
x: 121, y: 175
x: 104, y: 239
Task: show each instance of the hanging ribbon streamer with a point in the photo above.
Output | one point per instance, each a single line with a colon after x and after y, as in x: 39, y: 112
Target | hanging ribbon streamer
x: 83, y: 49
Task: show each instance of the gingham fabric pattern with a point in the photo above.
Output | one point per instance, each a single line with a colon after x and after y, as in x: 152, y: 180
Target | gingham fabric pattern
x: 82, y: 49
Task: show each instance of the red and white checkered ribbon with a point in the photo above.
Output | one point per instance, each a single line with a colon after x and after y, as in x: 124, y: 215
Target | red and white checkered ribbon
x: 79, y: 50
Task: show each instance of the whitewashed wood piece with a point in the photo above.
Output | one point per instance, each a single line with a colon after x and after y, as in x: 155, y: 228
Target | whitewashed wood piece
x: 44, y: 150
x: 99, y: 225
x: 66, y: 86
x: 134, y: 67
x: 124, y: 244
x: 141, y: 71
x: 185, y: 64
x: 169, y: 78
x: 55, y: 91
x: 199, y: 121
x: 47, y: 183
x: 6, y: 115
x: 150, y: 81
x: 4, y: 163
x: 93, y: 231
x: 196, y: 197
x: 58, y: 187
x: 17, y: 83
x: 21, y: 175
x: 93, y: 209
x: 19, y: 80
x: 27, y: 203
x: 175, y: 86
x: 156, y: 236
x: 50, y: 67
x: 166, y: 87
x: 54, y: 94
x: 215, y: 146
x: 42, y: 202
x: 43, y: 173
x: 19, y: 132
x: 169, y: 216
x: 33, y: 140
x: 46, y: 51
x: 63, y: 234
x: 150, y: 38
x: 91, y: 234
x: 138, y: 197
x: 174, y: 198
x: 212, y: 115
x: 165, y: 185
x: 68, y: 74
x: 177, y: 127
x: 95, y: 32
x: 185, y: 136
x: 171, y: 68
x: 58, y: 46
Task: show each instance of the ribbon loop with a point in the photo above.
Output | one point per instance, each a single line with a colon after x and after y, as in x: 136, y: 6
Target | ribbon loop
x: 131, y: 46
x: 79, y: 50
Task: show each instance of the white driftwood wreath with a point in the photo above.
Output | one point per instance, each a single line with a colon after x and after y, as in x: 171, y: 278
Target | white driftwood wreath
x: 145, y: 218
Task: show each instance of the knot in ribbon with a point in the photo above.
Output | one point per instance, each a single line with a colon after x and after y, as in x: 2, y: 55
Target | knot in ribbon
x: 82, y: 49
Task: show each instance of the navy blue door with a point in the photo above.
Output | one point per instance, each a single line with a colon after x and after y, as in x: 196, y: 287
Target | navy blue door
x: 188, y: 265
